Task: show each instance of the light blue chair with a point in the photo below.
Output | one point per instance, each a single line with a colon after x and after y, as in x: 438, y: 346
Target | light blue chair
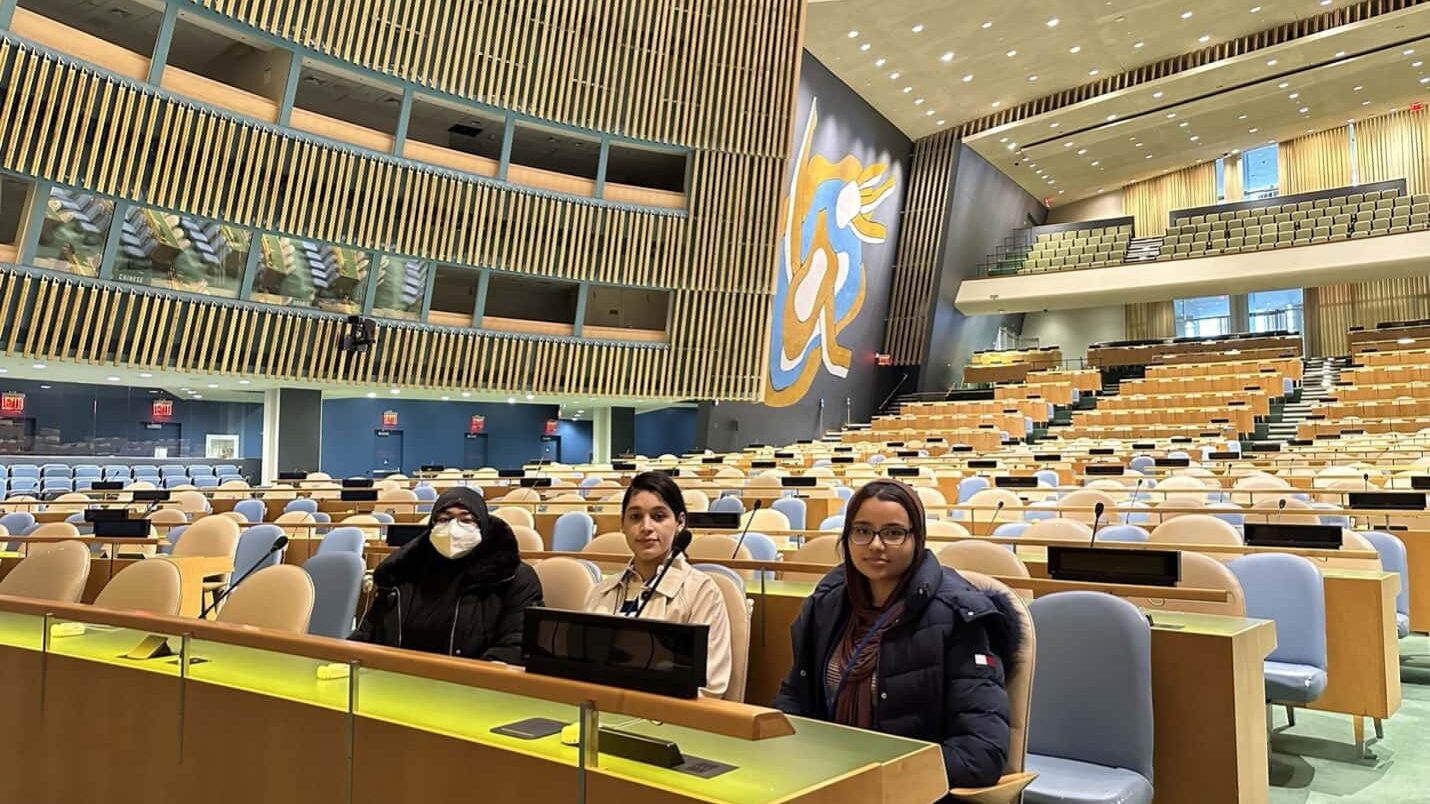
x: 24, y: 485
x: 572, y: 531
x: 593, y: 568
x: 56, y: 485
x: 425, y: 493
x: 337, y: 583
x: 970, y: 486
x: 1141, y: 463
x: 174, y: 481
x: 172, y: 470
x: 226, y: 478
x: 224, y: 469
x: 1288, y: 589
x: 342, y: 540
x: 833, y: 523
x: 25, y: 470
x: 1141, y: 516
x: 843, y: 493
x: 117, y: 471
x: 761, y: 547
x: 204, y: 482
x: 1122, y: 533
x: 727, y: 505
x: 383, y: 517
x: 144, y: 470
x: 588, y: 482
x: 1228, y: 512
x: 85, y: 483
x: 55, y: 470
x: 16, y: 524
x: 1393, y: 559
x: 172, y: 537
x: 875, y: 460
x: 252, y: 510
x: 1339, y: 520
x: 1010, y: 530
x: 304, y: 504
x: 200, y: 469
x: 88, y: 470
x: 1090, y: 718
x: 794, y: 510
x: 1042, y: 509
x: 1179, y: 454
x: 1047, y: 477
x: 252, y: 544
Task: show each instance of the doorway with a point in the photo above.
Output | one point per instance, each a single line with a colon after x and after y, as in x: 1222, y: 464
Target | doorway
x: 387, y: 453
x: 551, y: 448
x: 168, y: 436
x: 475, y: 455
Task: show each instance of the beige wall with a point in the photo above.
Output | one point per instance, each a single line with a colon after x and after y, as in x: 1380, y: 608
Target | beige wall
x: 262, y: 72
x: 1107, y: 205
x: 1075, y: 330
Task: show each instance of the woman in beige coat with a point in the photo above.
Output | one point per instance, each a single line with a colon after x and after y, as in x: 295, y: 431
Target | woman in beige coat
x: 652, y: 513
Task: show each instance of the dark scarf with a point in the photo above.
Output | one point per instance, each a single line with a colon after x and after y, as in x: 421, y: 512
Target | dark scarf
x: 854, y: 699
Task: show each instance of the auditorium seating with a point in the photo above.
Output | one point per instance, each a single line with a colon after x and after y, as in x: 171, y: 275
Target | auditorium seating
x: 1089, y: 246
x: 57, y: 478
x: 1013, y: 365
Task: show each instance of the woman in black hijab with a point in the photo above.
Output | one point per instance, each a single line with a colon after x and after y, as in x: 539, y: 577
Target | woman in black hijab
x: 459, y: 589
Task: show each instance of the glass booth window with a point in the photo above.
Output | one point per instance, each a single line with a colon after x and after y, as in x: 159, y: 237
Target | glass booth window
x: 1205, y: 317
x: 1260, y: 172
x: 1275, y: 310
x: 401, y: 285
x: 180, y: 252
x: 73, y: 232
x: 299, y: 272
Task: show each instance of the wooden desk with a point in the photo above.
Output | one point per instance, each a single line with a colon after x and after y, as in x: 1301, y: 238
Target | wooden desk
x: 192, y: 571
x: 404, y: 727
x: 1362, y: 651
x: 1208, y: 693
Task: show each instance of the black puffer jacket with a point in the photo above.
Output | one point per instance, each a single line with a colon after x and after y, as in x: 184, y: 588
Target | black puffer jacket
x: 480, y: 611
x: 941, y: 668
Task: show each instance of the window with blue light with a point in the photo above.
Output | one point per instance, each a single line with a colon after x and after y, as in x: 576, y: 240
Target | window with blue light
x: 1260, y: 176
x: 1204, y: 317
x: 1272, y: 310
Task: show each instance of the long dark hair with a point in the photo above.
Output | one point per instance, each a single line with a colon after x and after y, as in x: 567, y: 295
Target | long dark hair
x: 889, y: 491
x: 659, y: 484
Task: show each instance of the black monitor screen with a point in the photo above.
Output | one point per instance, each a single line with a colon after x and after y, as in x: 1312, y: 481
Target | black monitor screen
x: 432, y: 467
x: 1262, y: 534
x: 1047, y: 457
x: 763, y: 464
x: 359, y: 495
x: 106, y: 485
x: 1388, y: 500
x: 1421, y: 482
x: 712, y: 460
x: 292, y: 475
x: 784, y: 456
x: 892, y: 444
x: 903, y: 471
x: 357, y: 483
x: 1104, y: 469
x: 622, y: 466
x: 1143, y: 445
x: 799, y: 482
x: 658, y: 656
x: 509, y: 473
x: 1102, y: 451
x: 843, y: 449
x: 907, y: 453
x: 1180, y: 440
x: 398, y: 535
x: 1114, y: 565
x: 151, y: 495
x: 105, y: 514
x: 1267, y: 446
x: 987, y: 463
x: 1225, y: 456
x: 1020, y: 482
x: 535, y: 482
x: 1172, y: 462
x: 842, y: 459
x: 122, y: 528
x: 712, y: 520
x: 960, y: 448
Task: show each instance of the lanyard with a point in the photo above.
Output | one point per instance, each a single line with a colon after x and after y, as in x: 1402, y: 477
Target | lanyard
x: 854, y: 657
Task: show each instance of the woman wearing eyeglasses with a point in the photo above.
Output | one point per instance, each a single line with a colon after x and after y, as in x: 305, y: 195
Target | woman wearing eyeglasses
x: 895, y: 642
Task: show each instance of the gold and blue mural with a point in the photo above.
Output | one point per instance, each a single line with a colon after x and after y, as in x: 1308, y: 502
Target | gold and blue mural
x: 827, y: 219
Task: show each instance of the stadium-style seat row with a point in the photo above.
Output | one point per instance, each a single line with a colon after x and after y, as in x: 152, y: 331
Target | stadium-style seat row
x: 24, y: 478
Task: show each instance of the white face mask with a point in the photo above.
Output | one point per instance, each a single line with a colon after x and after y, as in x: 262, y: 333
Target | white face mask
x: 455, y: 539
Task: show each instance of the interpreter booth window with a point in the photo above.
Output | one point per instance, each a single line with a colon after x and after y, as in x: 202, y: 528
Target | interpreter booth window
x: 300, y: 272
x: 1260, y: 173
x: 181, y: 252
x: 454, y: 296
x: 1275, y: 310
x: 73, y: 232
x: 401, y: 284
x: 1205, y: 317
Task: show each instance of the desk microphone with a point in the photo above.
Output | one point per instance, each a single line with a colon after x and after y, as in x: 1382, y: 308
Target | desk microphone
x: 278, y: 544
x: 1366, y: 479
x: 1137, y: 489
x: 682, y: 541
x: 1096, y: 517
x: 996, y: 512
x: 748, y: 523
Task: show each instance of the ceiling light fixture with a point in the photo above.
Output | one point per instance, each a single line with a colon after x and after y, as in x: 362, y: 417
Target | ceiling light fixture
x: 112, y: 379
x: 1095, y: 164
x: 1241, y: 117
x: 894, y: 76
x: 1416, y: 63
x: 865, y: 47
x: 1204, y: 38
x: 1075, y: 49
x: 1111, y: 117
x: 1410, y: 51
x: 466, y: 393
x: 1093, y: 72
x: 880, y: 62
x: 1340, y: 54
x: 371, y: 395
x: 511, y: 400
x: 1148, y: 156
x: 1171, y: 115
x: 1194, y: 138
x: 929, y: 113
x: 1294, y: 95
x: 987, y: 24
x: 1182, y: 124
x: 968, y: 78
x: 1010, y: 54
x: 1365, y: 103
x: 1081, y: 151
x: 1272, y: 62
x: 146, y: 375
x: 1032, y: 78
x: 996, y: 104
x: 1158, y: 94
x: 853, y: 34
x: 947, y: 57
x: 38, y: 366
x: 918, y: 28
x: 1357, y: 87
x: 1304, y: 109
x: 1138, y: 45
x: 395, y: 391
x: 1186, y: 15
x: 908, y: 89
x: 938, y: 123
x: 1255, y: 9
x: 1053, y: 23
x: 244, y: 382
x: 1252, y: 130
x: 918, y: 101
x: 1054, y: 125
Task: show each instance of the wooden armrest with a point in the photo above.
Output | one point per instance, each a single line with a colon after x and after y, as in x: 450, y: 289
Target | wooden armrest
x: 1008, y: 790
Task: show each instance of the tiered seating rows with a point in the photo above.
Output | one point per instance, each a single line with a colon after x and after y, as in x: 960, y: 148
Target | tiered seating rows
x: 23, y: 478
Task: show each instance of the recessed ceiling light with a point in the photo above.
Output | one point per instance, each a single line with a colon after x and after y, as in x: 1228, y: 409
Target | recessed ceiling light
x: 1357, y: 87
x: 1139, y: 145
x: 1158, y: 94
x: 1139, y: 44
x: 1425, y: 80
x: 1410, y: 51
x: 1182, y: 124
x: 1081, y: 151
x: 1093, y: 72
x: 894, y: 76
x: 446, y: 399
x: 1272, y: 62
x: 1325, y: 2
x: 865, y: 47
x: 1304, y: 109
x: 938, y: 123
x: 1148, y: 156
x: 1252, y: 130
x: 1004, y: 139
x: 38, y: 366
x: 1340, y: 54
x: 908, y: 89
x: 968, y: 78
x: 1416, y: 63
x: 1032, y: 78
x: 1365, y: 103
x: 1053, y: 23
x: 4, y: 371
x: 1054, y: 125
x: 1241, y: 117
x: 1075, y: 49
x: 529, y: 396
x: 996, y: 104
x: 1171, y: 115
x: 1194, y: 138
x: 112, y: 379
x: 1186, y: 15
x: 947, y: 57
x: 46, y: 387
x: 1283, y: 85
x: 1204, y: 38
x: 243, y: 382
x: 371, y: 395
x: 198, y: 396
x: 1111, y: 117
x: 1255, y: 9
x: 987, y: 24
x: 918, y: 28
x: 918, y: 101
x: 1095, y: 164
x: 853, y: 34
x: 1037, y: 172
x: 1067, y: 145
x: 466, y: 393
x: 880, y: 62
x: 146, y: 375
x: 1010, y: 54
x: 929, y: 113
x: 395, y: 391
x: 511, y: 400
x: 1236, y: 150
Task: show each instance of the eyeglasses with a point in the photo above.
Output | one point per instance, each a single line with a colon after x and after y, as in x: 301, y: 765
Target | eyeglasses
x: 892, y: 536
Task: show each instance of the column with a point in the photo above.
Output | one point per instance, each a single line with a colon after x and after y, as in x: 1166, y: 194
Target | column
x: 601, y: 435
x: 623, y: 431
x: 292, y: 431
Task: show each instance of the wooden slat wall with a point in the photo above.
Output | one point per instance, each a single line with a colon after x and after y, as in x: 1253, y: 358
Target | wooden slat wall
x: 1330, y: 311
x: 704, y: 73
x: 920, y: 243
x: 728, y: 96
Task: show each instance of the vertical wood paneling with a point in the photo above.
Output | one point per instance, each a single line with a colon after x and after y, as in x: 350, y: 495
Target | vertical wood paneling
x: 921, y: 237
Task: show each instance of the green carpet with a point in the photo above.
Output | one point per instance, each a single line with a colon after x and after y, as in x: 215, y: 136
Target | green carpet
x: 1316, y: 761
